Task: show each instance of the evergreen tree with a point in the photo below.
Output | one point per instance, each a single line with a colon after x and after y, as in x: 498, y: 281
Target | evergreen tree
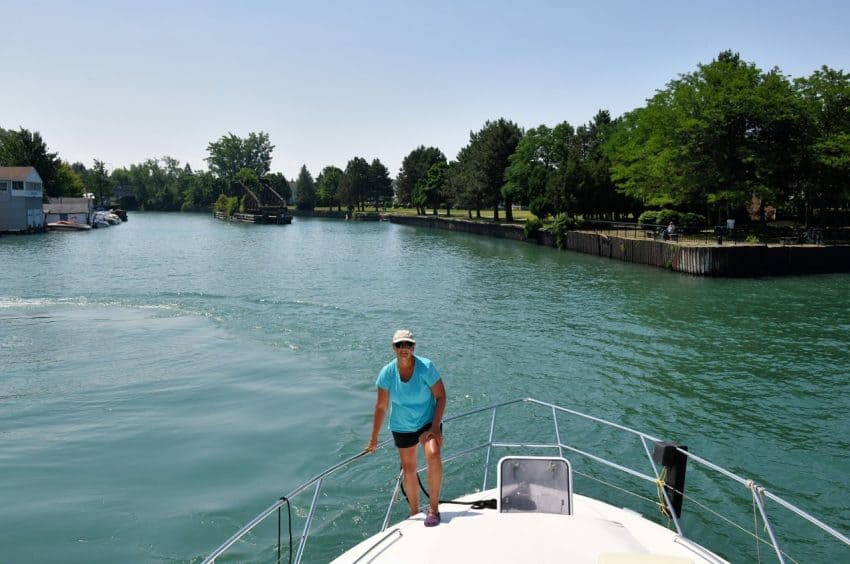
x: 327, y: 187
x: 490, y: 151
x: 305, y: 190
x: 380, y: 184
x: 358, y: 177
x: 414, y: 168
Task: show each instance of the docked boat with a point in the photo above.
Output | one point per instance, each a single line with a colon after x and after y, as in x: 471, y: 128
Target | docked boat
x: 67, y: 225
x: 534, y: 512
x: 107, y: 217
x: 99, y: 220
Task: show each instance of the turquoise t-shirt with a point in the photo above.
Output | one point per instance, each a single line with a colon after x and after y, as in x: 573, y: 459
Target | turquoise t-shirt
x: 411, y: 403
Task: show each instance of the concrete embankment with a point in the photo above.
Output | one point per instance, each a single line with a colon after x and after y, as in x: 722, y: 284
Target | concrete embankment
x: 332, y: 214
x: 702, y: 260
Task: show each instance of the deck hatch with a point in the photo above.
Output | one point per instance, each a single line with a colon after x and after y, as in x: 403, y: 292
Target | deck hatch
x: 531, y: 484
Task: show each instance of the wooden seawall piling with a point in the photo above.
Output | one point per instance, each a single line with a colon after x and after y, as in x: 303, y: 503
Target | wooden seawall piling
x: 740, y: 260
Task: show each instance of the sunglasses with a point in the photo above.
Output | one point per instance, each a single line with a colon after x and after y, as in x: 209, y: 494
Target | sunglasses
x: 403, y: 345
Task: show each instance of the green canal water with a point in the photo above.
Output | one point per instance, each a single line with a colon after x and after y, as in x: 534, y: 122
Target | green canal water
x: 163, y: 381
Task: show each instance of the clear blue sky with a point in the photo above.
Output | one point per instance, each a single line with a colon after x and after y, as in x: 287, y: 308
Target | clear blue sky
x: 123, y: 81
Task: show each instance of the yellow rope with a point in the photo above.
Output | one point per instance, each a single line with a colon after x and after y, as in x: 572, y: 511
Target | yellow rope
x: 660, y: 483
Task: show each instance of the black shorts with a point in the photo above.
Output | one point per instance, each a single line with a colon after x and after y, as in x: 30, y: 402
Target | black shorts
x: 407, y: 440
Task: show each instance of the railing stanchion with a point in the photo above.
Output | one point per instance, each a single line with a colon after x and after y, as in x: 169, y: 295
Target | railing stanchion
x: 392, y: 501
x: 663, y: 489
x: 557, y: 433
x: 278, y: 535
x: 489, y: 448
x: 756, y: 492
x: 308, y: 522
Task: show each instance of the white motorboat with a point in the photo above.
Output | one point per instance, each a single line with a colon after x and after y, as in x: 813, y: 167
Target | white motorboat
x: 533, y: 515
x: 107, y: 217
x: 99, y: 220
x: 67, y: 225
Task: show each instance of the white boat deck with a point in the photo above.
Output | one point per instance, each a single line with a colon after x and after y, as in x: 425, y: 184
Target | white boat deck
x: 596, y: 533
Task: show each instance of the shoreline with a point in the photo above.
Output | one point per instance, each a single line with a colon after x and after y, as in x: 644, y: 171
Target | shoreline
x: 732, y: 261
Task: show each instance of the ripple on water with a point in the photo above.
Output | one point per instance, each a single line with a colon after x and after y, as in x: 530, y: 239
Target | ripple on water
x: 154, y: 409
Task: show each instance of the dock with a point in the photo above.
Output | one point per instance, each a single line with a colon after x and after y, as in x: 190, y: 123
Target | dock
x: 264, y: 218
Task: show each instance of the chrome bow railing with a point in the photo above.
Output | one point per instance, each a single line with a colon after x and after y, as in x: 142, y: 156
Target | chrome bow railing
x: 758, y: 493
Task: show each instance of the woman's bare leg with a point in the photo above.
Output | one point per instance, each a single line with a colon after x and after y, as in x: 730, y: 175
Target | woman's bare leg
x: 411, y: 482
x: 435, y: 472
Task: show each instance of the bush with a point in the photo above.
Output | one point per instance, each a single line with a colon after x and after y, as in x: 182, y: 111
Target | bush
x: 226, y: 204
x: 666, y: 216
x: 532, y: 227
x: 648, y: 218
x: 693, y: 219
x: 220, y: 204
x: 663, y: 217
x: 561, y: 225
x: 540, y: 207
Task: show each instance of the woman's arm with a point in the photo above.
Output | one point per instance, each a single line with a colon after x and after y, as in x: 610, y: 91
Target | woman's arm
x: 381, y: 404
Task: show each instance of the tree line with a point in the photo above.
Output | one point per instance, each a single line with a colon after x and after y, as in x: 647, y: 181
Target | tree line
x: 729, y: 133
x: 164, y: 184
x: 711, y: 144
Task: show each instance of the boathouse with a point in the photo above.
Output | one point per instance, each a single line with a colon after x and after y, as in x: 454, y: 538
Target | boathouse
x: 262, y: 204
x: 79, y: 210
x: 21, y: 194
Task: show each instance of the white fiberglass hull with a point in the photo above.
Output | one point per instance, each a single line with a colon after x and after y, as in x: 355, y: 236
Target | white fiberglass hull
x: 595, y: 533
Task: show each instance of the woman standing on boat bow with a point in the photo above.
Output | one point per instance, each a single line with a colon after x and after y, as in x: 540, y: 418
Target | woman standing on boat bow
x: 412, y: 389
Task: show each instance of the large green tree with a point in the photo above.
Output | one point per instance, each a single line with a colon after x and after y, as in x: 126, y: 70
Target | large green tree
x: 596, y: 195
x: 327, y: 186
x: 430, y: 189
x: 357, y: 173
x: 380, y: 184
x: 414, y: 168
x: 453, y: 186
x: 200, y: 191
x: 825, y: 96
x: 490, y: 150
x: 713, y: 138
x: 464, y: 177
x: 157, y: 184
x: 27, y: 148
x: 538, y: 170
x: 100, y: 184
x: 229, y: 154
x: 778, y: 132
x: 71, y: 183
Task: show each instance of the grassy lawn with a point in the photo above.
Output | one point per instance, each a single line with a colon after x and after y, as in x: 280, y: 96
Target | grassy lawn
x: 486, y: 215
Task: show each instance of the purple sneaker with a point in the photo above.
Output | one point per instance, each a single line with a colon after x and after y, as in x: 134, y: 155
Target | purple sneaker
x: 432, y: 519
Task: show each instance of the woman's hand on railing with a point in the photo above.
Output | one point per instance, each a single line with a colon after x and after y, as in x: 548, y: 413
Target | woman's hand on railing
x: 372, y: 446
